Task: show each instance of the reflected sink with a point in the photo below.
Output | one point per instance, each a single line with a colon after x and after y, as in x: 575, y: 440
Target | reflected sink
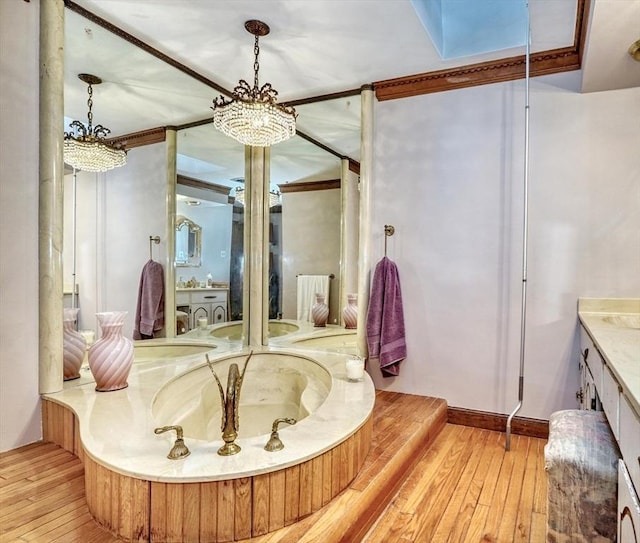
x: 160, y: 351
x: 234, y: 331
x: 279, y: 328
x: 626, y: 321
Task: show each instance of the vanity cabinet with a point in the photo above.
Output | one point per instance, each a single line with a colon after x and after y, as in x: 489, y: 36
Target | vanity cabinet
x: 207, y: 303
x: 624, y: 420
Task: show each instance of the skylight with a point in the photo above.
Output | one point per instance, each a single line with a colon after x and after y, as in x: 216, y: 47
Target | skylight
x: 460, y: 28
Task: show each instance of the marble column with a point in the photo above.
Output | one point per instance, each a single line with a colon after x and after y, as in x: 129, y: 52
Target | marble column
x: 350, y: 225
x: 364, y: 260
x: 256, y: 250
x: 51, y: 175
x: 171, y: 147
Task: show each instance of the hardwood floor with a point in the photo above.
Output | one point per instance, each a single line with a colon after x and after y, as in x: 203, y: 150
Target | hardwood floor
x: 466, y: 488
x: 462, y: 488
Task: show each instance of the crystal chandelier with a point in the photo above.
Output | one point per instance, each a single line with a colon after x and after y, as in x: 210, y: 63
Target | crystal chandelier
x: 252, y: 116
x: 274, y: 197
x: 85, y: 147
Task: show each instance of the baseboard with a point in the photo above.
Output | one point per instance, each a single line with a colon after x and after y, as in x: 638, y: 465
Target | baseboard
x: 498, y: 422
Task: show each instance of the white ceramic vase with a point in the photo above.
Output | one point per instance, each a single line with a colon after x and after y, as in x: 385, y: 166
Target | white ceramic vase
x: 74, y: 345
x: 111, y: 357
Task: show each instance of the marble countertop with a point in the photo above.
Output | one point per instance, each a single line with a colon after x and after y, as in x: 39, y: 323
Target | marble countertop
x: 614, y: 326
x: 116, y: 428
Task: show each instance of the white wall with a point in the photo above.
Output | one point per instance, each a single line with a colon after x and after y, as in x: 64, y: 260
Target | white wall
x: 20, y: 420
x: 448, y: 174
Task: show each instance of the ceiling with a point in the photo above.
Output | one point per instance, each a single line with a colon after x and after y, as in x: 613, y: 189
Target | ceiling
x: 315, y: 48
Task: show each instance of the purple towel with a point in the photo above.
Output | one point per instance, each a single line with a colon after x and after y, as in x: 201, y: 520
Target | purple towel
x: 385, y: 319
x: 150, y: 309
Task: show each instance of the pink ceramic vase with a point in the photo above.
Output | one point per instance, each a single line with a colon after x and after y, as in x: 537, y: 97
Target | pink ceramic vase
x: 320, y: 311
x: 110, y: 357
x: 350, y: 312
x: 74, y: 345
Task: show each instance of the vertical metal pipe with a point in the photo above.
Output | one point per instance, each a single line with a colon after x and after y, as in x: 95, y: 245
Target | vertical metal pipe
x: 525, y: 235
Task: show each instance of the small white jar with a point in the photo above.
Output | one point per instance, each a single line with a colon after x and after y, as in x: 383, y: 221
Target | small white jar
x: 355, y: 368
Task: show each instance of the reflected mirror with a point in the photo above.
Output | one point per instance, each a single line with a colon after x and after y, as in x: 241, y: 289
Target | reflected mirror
x: 133, y: 79
x: 188, y: 241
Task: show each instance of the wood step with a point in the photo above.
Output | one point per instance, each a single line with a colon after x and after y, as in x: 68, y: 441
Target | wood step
x: 404, y: 427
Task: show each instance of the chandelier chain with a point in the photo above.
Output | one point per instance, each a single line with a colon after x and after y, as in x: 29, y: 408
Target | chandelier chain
x: 256, y: 64
x: 90, y: 104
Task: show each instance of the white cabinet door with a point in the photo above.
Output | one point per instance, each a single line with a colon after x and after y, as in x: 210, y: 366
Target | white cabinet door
x: 611, y: 400
x: 628, y: 508
x: 199, y: 311
x: 630, y: 440
x: 218, y: 313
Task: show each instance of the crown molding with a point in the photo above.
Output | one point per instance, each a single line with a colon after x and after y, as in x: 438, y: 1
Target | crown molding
x: 307, y: 186
x: 144, y: 137
x: 495, y: 71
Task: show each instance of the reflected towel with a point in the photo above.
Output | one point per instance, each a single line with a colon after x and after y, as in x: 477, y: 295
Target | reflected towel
x: 150, y: 309
x: 308, y: 287
x: 385, y: 319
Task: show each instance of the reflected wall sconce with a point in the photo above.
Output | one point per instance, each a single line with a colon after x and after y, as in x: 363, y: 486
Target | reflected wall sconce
x: 252, y: 116
x: 85, y: 147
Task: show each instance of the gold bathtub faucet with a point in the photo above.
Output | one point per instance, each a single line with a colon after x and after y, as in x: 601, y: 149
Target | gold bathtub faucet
x: 230, y: 406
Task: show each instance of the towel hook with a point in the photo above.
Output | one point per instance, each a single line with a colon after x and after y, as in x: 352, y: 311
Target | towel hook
x: 388, y: 231
x: 152, y: 239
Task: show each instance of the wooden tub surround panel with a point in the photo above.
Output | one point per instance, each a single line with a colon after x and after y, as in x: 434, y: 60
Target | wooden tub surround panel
x: 119, y: 503
x: 59, y: 426
x: 230, y: 510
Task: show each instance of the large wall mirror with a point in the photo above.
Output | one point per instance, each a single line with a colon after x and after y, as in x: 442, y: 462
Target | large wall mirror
x: 109, y: 221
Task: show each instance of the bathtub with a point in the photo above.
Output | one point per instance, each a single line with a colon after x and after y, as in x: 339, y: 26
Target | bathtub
x: 132, y: 488
x: 294, y: 387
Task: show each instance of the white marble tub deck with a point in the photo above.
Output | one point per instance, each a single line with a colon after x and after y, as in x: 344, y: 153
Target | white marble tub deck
x: 613, y: 325
x: 116, y: 428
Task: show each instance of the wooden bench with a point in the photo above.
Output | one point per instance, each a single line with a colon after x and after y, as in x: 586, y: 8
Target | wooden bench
x: 581, y: 460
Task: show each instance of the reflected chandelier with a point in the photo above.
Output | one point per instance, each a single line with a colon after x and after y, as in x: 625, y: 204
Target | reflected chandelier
x: 252, y: 116
x: 85, y: 147
x: 274, y: 197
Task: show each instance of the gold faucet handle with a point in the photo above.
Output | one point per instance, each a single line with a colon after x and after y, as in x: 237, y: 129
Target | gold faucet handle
x: 179, y: 449
x: 277, y: 422
x: 275, y: 443
x: 163, y: 429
